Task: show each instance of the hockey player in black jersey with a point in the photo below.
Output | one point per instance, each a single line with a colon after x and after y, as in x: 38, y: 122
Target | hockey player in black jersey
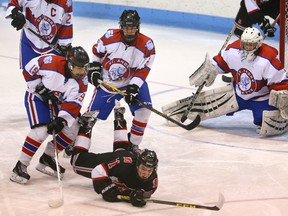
x: 120, y: 172
x: 252, y: 12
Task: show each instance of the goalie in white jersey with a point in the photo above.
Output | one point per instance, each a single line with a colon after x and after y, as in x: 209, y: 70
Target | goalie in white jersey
x: 260, y: 84
x: 64, y: 82
x: 123, y: 58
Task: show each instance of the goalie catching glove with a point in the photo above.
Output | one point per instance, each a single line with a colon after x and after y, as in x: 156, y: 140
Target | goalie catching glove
x: 205, y: 73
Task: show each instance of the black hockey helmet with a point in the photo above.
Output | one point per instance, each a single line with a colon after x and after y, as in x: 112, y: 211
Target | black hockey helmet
x: 129, y: 18
x: 77, y: 56
x: 148, y: 158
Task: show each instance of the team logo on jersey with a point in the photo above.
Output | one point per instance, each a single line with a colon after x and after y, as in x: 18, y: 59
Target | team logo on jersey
x: 246, y: 81
x: 109, y: 34
x: 117, y: 69
x: 47, y: 60
x: 149, y: 45
x: 46, y: 27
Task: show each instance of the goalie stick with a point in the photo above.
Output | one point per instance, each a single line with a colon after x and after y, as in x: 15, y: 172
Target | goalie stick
x: 216, y: 207
x: 190, y: 126
x: 55, y: 203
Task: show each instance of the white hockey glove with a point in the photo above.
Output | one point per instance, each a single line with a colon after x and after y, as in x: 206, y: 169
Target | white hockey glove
x: 279, y: 99
x: 205, y: 73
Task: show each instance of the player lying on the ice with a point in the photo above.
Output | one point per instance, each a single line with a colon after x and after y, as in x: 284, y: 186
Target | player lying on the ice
x: 260, y: 84
x: 120, y: 172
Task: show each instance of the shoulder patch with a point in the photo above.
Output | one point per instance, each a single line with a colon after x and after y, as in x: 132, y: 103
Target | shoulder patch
x: 109, y: 34
x: 149, y: 45
x: 47, y: 60
x: 69, y: 3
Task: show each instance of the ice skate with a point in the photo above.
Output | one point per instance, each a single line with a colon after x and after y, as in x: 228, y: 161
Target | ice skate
x: 20, y: 174
x: 47, y: 165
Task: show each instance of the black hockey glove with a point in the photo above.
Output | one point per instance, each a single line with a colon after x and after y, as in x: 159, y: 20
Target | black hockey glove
x: 18, y: 19
x: 94, y: 73
x: 110, y: 193
x: 137, y: 198
x: 46, y: 94
x: 56, y: 125
x: 132, y: 92
x: 64, y: 49
x: 267, y: 28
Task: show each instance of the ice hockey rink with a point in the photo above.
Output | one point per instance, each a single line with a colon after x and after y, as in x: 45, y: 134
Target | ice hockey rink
x: 223, y: 155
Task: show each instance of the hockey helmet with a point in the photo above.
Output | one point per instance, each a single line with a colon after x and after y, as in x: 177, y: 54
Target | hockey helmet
x: 148, y: 158
x: 129, y: 18
x: 78, y: 57
x: 251, y: 41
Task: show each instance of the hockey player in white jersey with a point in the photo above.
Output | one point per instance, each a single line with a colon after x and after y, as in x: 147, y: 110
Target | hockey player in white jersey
x: 260, y: 83
x: 64, y: 82
x: 51, y: 19
x: 123, y: 58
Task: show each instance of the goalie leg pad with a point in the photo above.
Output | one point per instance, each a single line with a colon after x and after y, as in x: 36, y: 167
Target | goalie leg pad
x: 273, y: 124
x: 209, y: 104
x: 279, y: 99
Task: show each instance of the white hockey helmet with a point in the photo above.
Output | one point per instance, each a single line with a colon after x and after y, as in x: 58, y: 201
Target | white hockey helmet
x: 251, y: 41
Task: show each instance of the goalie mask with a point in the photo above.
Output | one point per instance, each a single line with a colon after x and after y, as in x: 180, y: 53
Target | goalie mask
x: 77, y: 60
x: 129, y: 24
x: 251, y: 41
x: 147, y: 163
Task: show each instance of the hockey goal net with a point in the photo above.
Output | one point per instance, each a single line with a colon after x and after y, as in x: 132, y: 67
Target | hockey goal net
x: 283, y: 45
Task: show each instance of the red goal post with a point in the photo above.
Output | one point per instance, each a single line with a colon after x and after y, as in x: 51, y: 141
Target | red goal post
x: 283, y: 45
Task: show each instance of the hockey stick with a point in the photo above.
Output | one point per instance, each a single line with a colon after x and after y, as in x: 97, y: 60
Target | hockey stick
x: 190, y: 126
x: 60, y: 201
x: 216, y: 207
x: 53, y: 46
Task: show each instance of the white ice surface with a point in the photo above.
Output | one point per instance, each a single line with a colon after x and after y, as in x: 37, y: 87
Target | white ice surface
x: 221, y: 155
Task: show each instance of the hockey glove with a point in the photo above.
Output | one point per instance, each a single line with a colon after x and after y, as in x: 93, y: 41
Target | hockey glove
x: 132, y: 92
x: 56, y: 125
x: 18, y: 19
x: 94, y: 73
x: 267, y: 28
x: 137, y: 198
x: 46, y: 94
x: 64, y: 49
x: 110, y: 193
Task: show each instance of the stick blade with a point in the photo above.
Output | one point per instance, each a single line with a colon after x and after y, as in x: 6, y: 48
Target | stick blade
x: 220, y: 202
x: 193, y: 124
x: 56, y: 203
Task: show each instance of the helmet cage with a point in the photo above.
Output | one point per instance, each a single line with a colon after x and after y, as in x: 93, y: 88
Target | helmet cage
x: 129, y: 18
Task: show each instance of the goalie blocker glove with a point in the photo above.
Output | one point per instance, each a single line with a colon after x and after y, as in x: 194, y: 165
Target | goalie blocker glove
x: 132, y: 92
x: 56, y: 125
x: 267, y: 28
x: 94, y: 73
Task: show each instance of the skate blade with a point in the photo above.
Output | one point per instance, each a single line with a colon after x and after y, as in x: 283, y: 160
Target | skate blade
x: 48, y: 171
x: 18, y: 179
